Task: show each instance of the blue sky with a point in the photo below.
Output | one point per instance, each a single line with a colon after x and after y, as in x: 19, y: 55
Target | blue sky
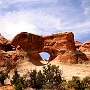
x: 45, y: 17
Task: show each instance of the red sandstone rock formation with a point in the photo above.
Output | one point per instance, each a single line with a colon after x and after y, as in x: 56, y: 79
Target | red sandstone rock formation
x: 51, y: 44
x: 72, y: 57
x: 27, y: 41
x: 85, y: 47
x: 60, y: 41
x: 60, y: 46
x: 3, y: 42
x: 78, y: 45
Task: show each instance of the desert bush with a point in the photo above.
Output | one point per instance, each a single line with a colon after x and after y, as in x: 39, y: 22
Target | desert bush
x: 50, y: 78
x: 86, y: 80
x: 53, y: 76
x: 37, y: 79
x: 76, y: 83
x: 17, y: 81
x: 3, y: 76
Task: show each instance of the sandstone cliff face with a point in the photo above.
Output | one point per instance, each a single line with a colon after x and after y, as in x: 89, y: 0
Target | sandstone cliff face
x: 85, y: 47
x: 27, y: 41
x: 60, y: 46
x: 3, y: 42
x: 51, y: 44
x: 60, y: 41
x: 8, y: 60
x: 78, y: 45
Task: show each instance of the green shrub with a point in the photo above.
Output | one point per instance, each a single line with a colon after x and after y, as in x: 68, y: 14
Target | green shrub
x: 86, y: 80
x: 49, y: 79
x: 52, y: 75
x: 76, y: 83
x: 18, y: 86
x: 17, y: 81
x: 3, y: 76
x: 37, y: 79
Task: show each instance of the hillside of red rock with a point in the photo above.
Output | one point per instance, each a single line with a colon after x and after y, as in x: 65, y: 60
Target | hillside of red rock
x: 52, y: 44
x: 3, y: 42
x: 61, y: 46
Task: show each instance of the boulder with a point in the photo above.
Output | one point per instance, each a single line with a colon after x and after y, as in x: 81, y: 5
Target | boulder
x: 72, y: 57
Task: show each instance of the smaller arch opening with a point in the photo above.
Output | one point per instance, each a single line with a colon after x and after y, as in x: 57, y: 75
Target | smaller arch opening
x: 45, y: 56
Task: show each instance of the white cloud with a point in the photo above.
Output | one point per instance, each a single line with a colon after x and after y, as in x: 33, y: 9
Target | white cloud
x: 44, y: 17
x: 33, y: 22
x: 14, y: 23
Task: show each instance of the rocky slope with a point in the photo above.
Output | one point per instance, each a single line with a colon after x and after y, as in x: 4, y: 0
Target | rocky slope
x: 61, y: 47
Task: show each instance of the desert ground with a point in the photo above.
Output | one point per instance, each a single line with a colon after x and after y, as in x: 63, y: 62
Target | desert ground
x: 68, y: 71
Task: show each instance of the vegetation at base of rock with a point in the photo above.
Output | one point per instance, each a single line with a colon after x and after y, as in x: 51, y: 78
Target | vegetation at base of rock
x: 17, y: 81
x: 3, y: 76
x: 50, y: 78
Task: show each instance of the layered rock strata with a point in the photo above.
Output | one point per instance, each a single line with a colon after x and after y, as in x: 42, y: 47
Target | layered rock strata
x: 61, y: 46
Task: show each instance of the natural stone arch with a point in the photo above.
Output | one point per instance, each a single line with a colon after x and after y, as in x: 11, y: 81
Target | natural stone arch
x: 53, y: 44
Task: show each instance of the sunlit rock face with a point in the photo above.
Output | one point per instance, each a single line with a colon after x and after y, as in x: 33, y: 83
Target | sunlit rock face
x: 56, y: 43
x: 61, y: 41
x: 51, y: 44
x: 78, y: 45
x: 60, y: 46
x: 3, y: 42
x: 29, y: 42
x: 85, y: 47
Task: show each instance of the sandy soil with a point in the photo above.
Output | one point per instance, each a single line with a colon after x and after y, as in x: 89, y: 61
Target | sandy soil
x: 68, y: 71
x: 7, y: 87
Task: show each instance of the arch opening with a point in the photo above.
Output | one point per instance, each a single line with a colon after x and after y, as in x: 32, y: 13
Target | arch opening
x: 45, y: 56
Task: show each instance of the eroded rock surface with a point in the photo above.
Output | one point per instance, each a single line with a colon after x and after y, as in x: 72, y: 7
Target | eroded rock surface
x: 8, y: 60
x: 78, y: 45
x: 29, y: 42
x: 60, y: 41
x: 85, y: 47
x: 51, y: 44
x: 72, y: 57
x: 3, y: 42
x: 61, y: 46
